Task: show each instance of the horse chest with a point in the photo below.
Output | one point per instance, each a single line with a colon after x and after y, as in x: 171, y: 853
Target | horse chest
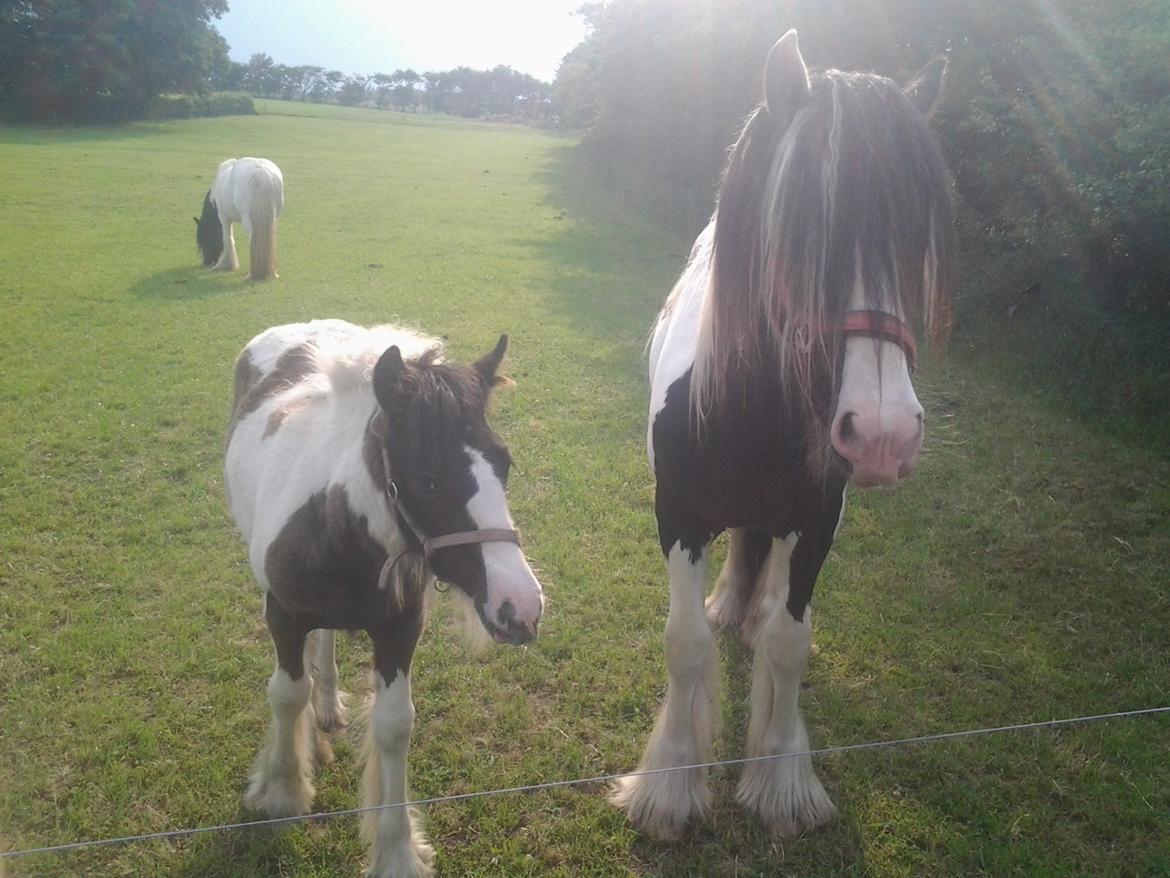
x: 324, y: 564
x: 743, y: 471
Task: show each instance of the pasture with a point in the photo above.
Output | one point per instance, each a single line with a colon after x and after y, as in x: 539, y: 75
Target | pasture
x: 1020, y: 575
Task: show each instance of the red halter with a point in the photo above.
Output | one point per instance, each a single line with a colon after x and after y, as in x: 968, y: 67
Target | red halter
x: 884, y: 326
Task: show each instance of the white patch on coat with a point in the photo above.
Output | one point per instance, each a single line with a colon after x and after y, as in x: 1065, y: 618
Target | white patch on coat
x: 676, y: 334
x: 321, y: 442
x: 232, y: 189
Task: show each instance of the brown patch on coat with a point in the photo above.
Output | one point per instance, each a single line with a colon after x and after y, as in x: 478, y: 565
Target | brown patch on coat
x: 323, y: 567
x: 252, y: 387
x: 278, y: 416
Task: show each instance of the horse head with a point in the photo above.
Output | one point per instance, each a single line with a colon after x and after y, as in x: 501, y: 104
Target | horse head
x: 447, y: 476
x: 209, y: 232
x: 835, y: 216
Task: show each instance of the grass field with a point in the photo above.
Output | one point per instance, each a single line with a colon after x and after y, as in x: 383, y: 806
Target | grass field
x: 1021, y: 575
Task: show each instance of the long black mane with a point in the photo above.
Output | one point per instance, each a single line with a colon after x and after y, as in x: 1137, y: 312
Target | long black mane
x: 850, y: 184
x: 209, y: 232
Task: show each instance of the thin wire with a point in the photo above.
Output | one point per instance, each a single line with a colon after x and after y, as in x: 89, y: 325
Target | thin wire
x: 602, y: 778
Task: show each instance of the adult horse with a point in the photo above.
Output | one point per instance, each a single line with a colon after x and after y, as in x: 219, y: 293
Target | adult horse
x: 780, y: 370
x: 360, y: 466
x: 248, y: 191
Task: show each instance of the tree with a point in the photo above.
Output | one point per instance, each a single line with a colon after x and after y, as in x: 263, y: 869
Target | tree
x: 1055, y: 123
x: 78, y: 60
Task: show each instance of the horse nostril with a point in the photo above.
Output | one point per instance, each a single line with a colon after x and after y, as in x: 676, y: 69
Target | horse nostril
x: 507, y: 613
x: 847, y: 432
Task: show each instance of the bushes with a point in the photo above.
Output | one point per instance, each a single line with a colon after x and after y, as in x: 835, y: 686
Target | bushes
x: 218, y: 103
x: 1056, y: 125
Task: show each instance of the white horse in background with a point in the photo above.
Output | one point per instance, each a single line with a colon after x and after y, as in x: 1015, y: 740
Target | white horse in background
x: 248, y: 191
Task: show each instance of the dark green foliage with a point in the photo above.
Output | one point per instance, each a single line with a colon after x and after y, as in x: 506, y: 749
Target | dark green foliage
x: 1056, y: 125
x: 70, y: 60
x: 500, y: 92
x: 218, y: 103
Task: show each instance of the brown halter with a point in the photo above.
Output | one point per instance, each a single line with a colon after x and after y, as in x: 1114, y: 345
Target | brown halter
x: 884, y: 326
x: 430, y: 545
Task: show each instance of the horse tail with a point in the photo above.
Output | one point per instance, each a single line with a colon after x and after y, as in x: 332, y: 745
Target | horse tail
x: 266, y: 200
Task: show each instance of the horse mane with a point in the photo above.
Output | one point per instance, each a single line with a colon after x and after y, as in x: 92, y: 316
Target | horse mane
x: 852, y: 184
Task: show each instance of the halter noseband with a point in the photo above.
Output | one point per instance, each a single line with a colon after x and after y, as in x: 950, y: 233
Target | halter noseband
x: 884, y: 326
x: 430, y: 545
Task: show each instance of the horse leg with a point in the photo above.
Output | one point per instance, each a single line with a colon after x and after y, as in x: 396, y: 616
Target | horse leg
x: 398, y: 848
x: 728, y: 604
x: 785, y: 792
x: 662, y: 804
x: 328, y: 700
x: 228, y: 260
x: 282, y: 776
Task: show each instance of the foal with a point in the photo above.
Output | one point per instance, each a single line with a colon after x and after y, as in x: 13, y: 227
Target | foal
x: 360, y: 466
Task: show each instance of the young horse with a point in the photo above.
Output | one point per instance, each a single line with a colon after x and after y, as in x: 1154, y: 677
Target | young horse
x: 359, y: 468
x: 248, y: 191
x: 780, y: 368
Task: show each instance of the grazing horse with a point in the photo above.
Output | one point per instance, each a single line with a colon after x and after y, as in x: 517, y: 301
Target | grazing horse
x: 248, y: 191
x: 780, y: 370
x: 360, y: 466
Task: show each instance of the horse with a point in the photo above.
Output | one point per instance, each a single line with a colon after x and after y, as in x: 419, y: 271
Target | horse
x: 360, y: 467
x: 248, y: 191
x: 780, y: 371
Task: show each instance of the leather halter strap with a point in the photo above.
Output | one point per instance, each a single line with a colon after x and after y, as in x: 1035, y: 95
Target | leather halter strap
x: 884, y: 326
x: 430, y: 544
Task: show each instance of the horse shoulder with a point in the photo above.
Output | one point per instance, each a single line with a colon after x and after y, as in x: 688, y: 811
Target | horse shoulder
x: 676, y: 333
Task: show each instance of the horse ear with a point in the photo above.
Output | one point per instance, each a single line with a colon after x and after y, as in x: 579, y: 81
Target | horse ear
x: 388, y: 376
x: 925, y: 90
x: 487, y: 366
x: 786, y: 85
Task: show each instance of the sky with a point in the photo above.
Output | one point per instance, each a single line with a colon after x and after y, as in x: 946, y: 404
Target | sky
x: 380, y: 36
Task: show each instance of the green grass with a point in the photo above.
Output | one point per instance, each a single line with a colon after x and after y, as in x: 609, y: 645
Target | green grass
x: 1020, y: 575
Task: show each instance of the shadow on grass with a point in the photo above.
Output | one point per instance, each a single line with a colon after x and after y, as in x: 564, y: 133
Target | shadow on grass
x: 606, y: 240
x: 189, y: 282
x: 257, y: 852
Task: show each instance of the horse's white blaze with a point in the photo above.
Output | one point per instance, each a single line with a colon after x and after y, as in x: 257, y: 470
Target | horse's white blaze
x: 663, y: 803
x: 877, y: 425
x: 316, y: 438
x: 509, y: 578
x: 397, y: 845
x: 676, y: 335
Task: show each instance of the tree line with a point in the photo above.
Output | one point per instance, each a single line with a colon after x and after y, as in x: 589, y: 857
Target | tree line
x: 1056, y: 122
x: 500, y: 91
x: 81, y: 61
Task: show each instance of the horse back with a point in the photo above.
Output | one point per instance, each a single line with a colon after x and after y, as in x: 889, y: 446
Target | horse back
x: 297, y: 446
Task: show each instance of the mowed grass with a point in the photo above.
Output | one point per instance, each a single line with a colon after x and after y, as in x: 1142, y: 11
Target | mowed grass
x: 1021, y: 575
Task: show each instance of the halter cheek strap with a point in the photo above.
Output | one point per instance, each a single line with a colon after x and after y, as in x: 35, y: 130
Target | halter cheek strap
x: 430, y: 545
x: 884, y: 326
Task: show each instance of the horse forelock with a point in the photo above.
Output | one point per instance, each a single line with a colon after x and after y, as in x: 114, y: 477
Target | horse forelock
x: 852, y: 187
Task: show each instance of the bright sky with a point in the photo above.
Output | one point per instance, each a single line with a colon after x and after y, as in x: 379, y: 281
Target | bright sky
x: 379, y: 36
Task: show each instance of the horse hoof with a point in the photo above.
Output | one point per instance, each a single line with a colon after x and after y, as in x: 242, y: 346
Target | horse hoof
x: 661, y: 805
x: 279, y: 796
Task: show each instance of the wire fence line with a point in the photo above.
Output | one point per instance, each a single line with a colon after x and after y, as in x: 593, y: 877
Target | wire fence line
x: 557, y: 784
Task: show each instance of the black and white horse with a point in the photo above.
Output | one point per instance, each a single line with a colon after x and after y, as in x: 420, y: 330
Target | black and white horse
x: 248, y: 191
x: 780, y: 370
x: 360, y: 466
